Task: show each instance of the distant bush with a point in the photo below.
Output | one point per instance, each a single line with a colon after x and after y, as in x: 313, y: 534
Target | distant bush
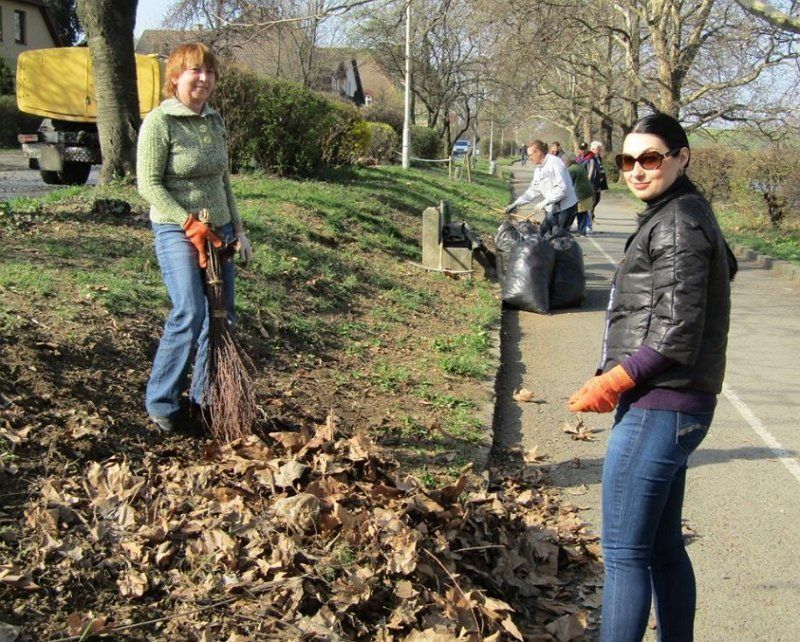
x: 711, y: 168
x: 392, y: 117
x: 345, y: 134
x: 237, y: 91
x: 6, y: 79
x: 384, y: 143
x: 767, y: 182
x: 12, y: 122
x: 499, y: 150
x: 425, y: 142
x: 283, y: 128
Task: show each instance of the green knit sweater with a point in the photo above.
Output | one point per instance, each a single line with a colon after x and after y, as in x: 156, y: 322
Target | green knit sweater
x: 182, y: 165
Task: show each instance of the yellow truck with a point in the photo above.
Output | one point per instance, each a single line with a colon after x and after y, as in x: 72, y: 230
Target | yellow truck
x: 58, y: 85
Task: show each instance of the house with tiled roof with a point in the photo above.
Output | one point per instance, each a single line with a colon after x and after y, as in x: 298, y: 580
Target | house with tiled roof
x: 282, y: 52
x: 24, y: 25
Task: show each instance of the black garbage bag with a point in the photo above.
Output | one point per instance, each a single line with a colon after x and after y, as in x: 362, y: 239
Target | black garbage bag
x: 526, y: 284
x: 568, y: 286
x: 506, y: 236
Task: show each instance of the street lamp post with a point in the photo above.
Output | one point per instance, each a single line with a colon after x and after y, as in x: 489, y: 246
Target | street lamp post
x: 407, y: 115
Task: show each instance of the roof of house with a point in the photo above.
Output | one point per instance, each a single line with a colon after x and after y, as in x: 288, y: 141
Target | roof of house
x: 47, y: 16
x: 270, y: 52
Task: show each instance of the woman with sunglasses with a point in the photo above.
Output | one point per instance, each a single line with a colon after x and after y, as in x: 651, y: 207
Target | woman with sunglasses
x: 662, y: 366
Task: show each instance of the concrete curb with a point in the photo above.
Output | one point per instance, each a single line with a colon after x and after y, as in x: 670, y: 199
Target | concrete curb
x: 776, y: 267
x: 486, y: 413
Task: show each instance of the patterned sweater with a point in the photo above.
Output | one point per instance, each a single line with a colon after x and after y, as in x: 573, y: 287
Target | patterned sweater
x: 182, y: 165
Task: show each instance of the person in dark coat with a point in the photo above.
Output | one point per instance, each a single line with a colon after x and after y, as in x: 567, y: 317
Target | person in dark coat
x: 662, y: 367
x: 583, y: 191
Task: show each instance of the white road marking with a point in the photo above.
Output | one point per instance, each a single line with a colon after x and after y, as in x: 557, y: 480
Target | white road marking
x: 605, y: 254
x: 783, y: 455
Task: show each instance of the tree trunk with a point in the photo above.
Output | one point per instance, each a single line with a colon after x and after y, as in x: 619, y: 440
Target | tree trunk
x: 108, y: 25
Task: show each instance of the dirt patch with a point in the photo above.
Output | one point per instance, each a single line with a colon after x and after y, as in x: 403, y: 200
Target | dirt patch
x: 106, y: 524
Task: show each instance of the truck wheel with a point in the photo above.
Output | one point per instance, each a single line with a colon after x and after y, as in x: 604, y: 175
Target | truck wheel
x: 75, y: 173
x: 51, y: 178
x: 72, y: 174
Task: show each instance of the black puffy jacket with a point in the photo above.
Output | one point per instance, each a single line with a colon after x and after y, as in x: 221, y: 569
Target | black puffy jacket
x: 671, y: 293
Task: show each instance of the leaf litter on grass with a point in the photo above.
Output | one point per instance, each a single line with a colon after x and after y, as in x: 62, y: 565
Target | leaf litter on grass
x: 313, y: 534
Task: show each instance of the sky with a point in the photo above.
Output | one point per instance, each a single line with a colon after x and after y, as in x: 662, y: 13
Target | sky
x: 149, y: 14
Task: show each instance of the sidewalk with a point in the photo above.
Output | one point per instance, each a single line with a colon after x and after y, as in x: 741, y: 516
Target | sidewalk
x: 742, y: 518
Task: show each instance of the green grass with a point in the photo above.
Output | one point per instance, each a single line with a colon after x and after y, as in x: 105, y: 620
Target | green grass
x: 464, y: 354
x: 330, y: 284
x: 754, y: 232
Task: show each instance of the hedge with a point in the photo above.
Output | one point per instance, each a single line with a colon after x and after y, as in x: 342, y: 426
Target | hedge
x: 425, y: 142
x: 12, y: 122
x: 282, y: 128
x: 384, y: 143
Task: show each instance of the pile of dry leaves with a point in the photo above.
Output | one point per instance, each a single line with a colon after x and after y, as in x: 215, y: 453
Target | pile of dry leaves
x: 310, y: 535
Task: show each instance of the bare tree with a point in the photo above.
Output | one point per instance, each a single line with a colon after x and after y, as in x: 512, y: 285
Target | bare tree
x: 109, y: 25
x: 773, y: 16
x: 701, y: 60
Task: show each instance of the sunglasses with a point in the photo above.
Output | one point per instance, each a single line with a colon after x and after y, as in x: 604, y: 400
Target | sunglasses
x: 648, y: 160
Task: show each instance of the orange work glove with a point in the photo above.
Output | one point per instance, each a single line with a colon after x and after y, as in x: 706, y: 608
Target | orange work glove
x: 601, y: 394
x: 198, y: 234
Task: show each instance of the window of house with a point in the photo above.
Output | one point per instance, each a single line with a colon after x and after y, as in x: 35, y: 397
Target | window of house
x: 19, y: 27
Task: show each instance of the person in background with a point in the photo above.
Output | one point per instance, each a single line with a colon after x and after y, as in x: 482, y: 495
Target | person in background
x: 555, y: 149
x: 662, y: 367
x: 583, y: 191
x: 523, y: 154
x: 587, y: 158
x: 596, y: 147
x: 552, y: 185
x: 182, y: 168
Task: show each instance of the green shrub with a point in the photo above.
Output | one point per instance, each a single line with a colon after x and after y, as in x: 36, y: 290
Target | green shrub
x: 508, y: 148
x: 392, y: 117
x: 12, y: 122
x: 767, y: 182
x: 384, y: 143
x: 425, y: 142
x: 282, y: 128
x: 6, y: 79
x: 346, y: 137
x: 236, y: 93
x: 711, y: 169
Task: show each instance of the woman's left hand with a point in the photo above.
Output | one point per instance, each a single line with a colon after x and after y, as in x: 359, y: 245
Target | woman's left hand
x: 245, y: 249
x: 601, y: 394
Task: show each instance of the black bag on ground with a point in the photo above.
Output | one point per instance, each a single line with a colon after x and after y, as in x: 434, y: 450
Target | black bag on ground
x: 506, y: 236
x: 568, y: 286
x: 528, y: 273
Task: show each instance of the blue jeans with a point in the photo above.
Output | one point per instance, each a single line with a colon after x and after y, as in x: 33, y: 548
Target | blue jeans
x: 556, y: 221
x: 186, y: 330
x: 644, y: 477
x: 584, y: 220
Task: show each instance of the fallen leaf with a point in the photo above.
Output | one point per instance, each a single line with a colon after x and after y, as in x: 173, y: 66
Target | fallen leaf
x: 86, y: 625
x: 289, y: 473
x: 568, y: 627
x: 523, y: 395
x: 578, y: 431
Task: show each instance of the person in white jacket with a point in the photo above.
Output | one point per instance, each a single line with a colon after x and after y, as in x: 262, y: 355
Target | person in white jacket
x: 551, y: 187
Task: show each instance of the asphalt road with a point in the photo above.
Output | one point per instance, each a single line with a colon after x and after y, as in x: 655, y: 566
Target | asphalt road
x: 17, y: 180
x: 742, y: 514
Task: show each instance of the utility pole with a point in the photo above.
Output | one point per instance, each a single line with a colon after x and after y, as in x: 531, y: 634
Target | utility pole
x: 491, y: 146
x: 407, y: 116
